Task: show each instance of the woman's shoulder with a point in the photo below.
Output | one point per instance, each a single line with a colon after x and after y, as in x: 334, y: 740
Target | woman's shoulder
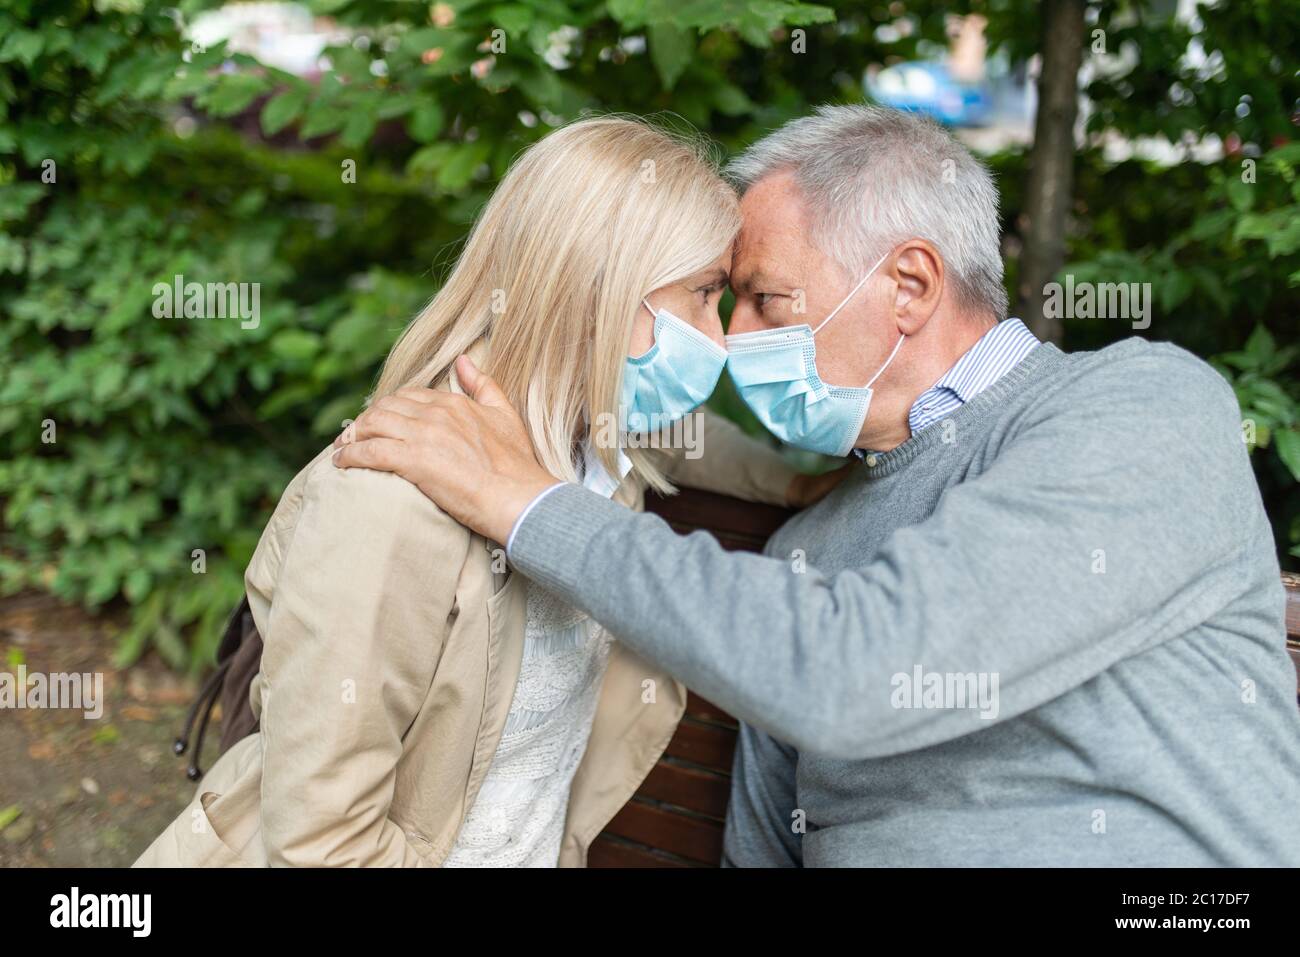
x: 349, y: 517
x: 356, y: 496
x: 376, y: 494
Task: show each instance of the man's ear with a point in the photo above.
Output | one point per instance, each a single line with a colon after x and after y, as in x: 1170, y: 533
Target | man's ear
x: 918, y: 273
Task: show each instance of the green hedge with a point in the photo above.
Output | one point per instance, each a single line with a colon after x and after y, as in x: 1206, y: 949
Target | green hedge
x: 176, y: 435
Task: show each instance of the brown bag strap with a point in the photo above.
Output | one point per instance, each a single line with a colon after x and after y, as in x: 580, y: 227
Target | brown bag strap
x: 232, y: 643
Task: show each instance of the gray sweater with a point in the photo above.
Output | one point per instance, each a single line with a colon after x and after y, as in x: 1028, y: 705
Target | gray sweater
x: 1046, y: 631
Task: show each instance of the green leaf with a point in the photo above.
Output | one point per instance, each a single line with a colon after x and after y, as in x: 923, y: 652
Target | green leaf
x: 106, y: 734
x: 282, y: 109
x: 514, y: 18
x: 1279, y: 228
x: 358, y: 129
x: 329, y: 420
x: 754, y: 21
x: 731, y: 100
x: 1240, y: 195
x: 94, y: 46
x: 294, y: 394
x: 232, y: 94
x: 17, y: 198
x: 167, y: 639
x: 136, y: 586
x: 1175, y: 288
x: 426, y: 122
x: 1287, y: 443
x: 429, y: 159
x: 13, y: 254
x: 108, y: 380
x: 459, y: 168
x: 1261, y: 345
x: 295, y: 345
x: 132, y: 643
x: 324, y: 116
x: 22, y: 45
x: 671, y: 49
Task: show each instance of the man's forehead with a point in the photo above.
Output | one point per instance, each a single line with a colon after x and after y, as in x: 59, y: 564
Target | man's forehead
x: 774, y: 236
x: 767, y: 253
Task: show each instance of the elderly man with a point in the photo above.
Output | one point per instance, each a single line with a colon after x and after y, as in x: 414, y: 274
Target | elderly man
x: 1040, y: 622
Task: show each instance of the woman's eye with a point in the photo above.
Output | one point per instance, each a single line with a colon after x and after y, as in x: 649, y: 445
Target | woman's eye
x: 764, y: 298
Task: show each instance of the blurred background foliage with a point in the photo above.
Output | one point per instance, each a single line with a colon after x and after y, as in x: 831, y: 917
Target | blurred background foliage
x: 129, y: 156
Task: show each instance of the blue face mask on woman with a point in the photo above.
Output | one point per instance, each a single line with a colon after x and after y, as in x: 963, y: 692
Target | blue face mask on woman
x: 674, y: 376
x: 775, y: 371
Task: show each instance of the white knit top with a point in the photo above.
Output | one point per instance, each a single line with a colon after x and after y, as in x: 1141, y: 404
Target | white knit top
x: 517, y: 819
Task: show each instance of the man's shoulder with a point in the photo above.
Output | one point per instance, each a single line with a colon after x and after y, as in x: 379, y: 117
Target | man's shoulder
x: 1149, y: 406
x: 1144, y: 376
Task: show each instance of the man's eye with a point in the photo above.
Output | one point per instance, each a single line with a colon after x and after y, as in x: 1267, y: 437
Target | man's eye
x: 764, y: 298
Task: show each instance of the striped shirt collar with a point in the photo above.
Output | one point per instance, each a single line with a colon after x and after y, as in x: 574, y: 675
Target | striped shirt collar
x: 996, y: 353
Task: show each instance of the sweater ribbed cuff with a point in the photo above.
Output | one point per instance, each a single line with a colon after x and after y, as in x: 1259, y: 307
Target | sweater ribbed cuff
x: 510, y: 541
x: 552, y: 541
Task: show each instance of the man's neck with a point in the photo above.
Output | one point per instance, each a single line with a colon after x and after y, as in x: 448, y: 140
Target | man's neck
x: 959, y: 339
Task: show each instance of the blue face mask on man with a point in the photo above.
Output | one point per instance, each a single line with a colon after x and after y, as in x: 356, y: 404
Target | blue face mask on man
x: 775, y: 372
x: 674, y: 376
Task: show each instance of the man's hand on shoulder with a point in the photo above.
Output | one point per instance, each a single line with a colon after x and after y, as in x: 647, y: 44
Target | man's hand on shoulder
x: 805, y: 490
x: 470, y: 453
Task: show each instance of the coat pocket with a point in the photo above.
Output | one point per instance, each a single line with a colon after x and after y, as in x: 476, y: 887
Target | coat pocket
x: 191, y: 841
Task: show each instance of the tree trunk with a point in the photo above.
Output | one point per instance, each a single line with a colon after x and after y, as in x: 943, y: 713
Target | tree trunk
x: 1051, y: 163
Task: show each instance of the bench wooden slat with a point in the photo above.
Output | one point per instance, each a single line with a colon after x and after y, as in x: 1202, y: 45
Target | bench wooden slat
x: 1292, y: 584
x: 704, y: 792
x: 694, y: 838
x: 607, y: 851
x: 707, y: 745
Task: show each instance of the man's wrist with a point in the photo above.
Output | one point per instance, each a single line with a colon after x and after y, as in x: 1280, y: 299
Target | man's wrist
x: 523, y: 513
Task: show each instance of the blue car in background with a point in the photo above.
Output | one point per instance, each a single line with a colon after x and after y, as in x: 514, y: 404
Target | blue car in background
x: 930, y: 88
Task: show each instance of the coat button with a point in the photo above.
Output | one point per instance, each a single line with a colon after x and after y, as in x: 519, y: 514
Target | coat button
x: 872, y: 460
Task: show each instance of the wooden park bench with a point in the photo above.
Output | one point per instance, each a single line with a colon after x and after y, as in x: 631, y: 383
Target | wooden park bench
x: 675, y: 819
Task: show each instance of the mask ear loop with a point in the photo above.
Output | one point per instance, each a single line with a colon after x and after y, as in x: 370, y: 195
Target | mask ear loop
x: 652, y: 344
x: 898, y: 345
x: 852, y: 292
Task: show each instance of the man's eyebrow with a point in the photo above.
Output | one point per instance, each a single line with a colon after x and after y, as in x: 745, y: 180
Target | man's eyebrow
x: 754, y: 279
x: 715, y: 277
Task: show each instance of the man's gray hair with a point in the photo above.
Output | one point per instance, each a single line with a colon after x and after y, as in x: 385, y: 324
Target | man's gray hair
x: 876, y: 177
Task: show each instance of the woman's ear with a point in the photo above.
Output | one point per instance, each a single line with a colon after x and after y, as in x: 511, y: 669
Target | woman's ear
x: 643, y: 336
x: 918, y: 273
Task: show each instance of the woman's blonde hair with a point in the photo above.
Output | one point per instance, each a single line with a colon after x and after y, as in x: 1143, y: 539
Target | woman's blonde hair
x: 587, y: 221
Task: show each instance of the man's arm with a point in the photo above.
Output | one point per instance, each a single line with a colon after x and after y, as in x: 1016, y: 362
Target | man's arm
x: 731, y: 463
x: 736, y: 464
x: 1000, y: 581
x: 761, y: 815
